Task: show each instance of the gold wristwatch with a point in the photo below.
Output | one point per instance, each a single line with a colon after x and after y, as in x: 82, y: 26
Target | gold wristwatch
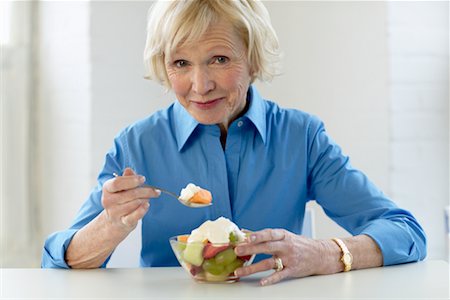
x: 347, y: 257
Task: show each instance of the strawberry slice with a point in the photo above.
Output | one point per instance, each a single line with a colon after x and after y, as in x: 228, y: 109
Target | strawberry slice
x: 245, y: 257
x: 210, y: 250
x: 195, y: 270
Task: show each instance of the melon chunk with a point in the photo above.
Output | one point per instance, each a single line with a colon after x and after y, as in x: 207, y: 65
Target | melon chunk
x: 193, y: 254
x: 202, y: 196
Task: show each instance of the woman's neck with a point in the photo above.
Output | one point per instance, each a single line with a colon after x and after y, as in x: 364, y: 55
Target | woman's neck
x: 224, y: 126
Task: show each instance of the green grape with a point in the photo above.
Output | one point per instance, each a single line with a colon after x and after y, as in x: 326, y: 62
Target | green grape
x: 209, y: 265
x: 233, y: 238
x: 225, y: 257
x: 237, y: 263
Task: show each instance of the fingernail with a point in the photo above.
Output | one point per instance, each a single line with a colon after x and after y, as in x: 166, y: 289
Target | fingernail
x: 237, y: 250
x: 147, y: 205
x: 158, y: 192
x: 141, y: 179
x: 264, y: 282
x: 252, y: 237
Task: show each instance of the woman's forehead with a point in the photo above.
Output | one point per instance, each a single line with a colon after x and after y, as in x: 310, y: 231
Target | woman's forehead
x: 220, y: 34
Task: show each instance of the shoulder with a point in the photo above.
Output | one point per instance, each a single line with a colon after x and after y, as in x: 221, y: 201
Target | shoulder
x: 154, y: 125
x: 291, y: 118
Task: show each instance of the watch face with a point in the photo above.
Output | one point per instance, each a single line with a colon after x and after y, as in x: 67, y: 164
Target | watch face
x: 347, y: 258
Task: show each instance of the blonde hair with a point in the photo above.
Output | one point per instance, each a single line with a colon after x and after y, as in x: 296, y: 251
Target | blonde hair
x: 171, y: 23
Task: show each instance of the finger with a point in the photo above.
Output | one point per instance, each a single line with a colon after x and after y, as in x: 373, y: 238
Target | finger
x: 122, y: 183
x: 116, y: 211
x: 267, y: 235
x: 110, y: 200
x: 275, y: 277
x: 261, y: 266
x: 128, y: 172
x: 134, y: 194
x: 275, y: 247
x: 247, y: 233
x: 131, y: 219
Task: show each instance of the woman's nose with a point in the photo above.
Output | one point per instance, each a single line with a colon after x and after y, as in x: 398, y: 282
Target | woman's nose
x: 202, y: 81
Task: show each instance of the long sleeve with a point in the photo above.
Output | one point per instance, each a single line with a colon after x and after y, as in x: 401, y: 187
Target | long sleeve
x: 55, y: 248
x: 53, y: 254
x: 355, y: 203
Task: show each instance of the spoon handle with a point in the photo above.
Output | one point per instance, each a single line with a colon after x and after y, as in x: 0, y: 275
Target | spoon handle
x: 162, y: 190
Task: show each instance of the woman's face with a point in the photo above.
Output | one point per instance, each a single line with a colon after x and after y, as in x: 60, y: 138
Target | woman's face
x: 211, y: 76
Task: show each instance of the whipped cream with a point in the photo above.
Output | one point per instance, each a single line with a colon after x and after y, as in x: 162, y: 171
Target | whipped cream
x: 189, y: 191
x: 216, y: 232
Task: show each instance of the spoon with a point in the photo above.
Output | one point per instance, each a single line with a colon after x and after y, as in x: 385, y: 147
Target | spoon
x: 185, y: 203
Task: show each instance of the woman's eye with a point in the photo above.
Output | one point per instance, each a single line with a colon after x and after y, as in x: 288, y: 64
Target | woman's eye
x: 180, y: 63
x: 221, y: 59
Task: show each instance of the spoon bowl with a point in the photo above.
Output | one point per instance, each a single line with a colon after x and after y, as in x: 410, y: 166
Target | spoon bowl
x: 186, y: 203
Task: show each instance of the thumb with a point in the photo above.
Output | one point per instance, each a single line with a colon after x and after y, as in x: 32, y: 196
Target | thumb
x: 128, y: 172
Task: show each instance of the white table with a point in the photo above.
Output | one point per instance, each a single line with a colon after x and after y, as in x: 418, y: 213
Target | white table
x: 423, y: 280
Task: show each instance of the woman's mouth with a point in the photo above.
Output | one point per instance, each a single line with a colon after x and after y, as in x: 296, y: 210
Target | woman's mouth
x: 208, y: 104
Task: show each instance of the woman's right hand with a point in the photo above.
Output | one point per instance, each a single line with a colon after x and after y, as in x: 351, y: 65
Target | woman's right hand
x: 125, y: 201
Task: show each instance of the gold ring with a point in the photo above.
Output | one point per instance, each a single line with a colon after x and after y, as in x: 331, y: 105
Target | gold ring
x: 278, y: 264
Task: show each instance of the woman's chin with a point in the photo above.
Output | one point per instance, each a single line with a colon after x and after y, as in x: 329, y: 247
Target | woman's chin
x: 207, y: 120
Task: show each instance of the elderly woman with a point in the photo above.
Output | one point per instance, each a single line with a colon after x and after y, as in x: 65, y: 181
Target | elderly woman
x: 262, y: 163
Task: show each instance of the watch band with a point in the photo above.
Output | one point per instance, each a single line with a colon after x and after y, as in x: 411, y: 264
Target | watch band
x: 346, y: 258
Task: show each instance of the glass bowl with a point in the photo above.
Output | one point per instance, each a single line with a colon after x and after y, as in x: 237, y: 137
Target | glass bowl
x: 206, y: 262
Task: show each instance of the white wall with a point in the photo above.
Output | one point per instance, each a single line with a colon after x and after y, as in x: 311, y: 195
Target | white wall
x: 336, y: 65
x: 418, y: 38
x: 16, y: 219
x: 120, y: 94
x: 63, y: 113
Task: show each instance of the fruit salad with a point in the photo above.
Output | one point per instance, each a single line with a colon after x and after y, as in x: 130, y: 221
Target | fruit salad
x: 208, y: 252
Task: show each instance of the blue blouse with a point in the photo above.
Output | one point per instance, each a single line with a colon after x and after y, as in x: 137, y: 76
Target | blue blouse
x: 274, y: 162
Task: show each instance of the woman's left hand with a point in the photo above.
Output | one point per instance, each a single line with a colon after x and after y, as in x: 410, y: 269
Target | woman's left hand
x: 300, y: 256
